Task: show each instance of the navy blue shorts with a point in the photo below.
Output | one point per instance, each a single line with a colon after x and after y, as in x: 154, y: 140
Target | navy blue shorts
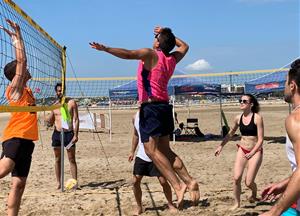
x: 20, y: 151
x: 56, y: 137
x: 145, y: 168
x: 156, y: 120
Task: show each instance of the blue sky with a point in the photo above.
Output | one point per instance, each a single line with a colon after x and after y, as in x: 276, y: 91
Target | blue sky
x: 224, y: 35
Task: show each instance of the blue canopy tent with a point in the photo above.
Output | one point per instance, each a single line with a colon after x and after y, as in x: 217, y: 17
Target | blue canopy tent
x: 179, y: 85
x: 273, y: 82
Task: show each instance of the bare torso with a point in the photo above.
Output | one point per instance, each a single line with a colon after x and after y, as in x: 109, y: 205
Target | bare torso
x: 58, y: 117
x: 248, y: 142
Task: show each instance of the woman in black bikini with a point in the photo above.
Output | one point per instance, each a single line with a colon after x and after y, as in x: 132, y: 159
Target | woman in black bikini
x: 250, y: 150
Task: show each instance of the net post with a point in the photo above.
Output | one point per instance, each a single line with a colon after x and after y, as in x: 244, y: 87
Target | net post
x: 63, y: 71
x: 174, y: 120
x: 62, y: 136
x: 110, y: 120
x: 221, y: 119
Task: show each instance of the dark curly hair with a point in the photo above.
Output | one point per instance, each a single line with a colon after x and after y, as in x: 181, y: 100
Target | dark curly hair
x: 10, y: 70
x: 167, y: 40
x: 294, y: 73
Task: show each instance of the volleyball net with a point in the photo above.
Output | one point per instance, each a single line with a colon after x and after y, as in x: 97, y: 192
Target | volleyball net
x: 100, y: 87
x: 45, y: 59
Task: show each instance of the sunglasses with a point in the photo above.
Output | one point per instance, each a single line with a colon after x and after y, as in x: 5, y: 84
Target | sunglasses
x: 243, y: 101
x: 156, y: 36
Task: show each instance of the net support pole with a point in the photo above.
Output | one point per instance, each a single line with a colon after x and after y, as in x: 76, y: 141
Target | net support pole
x: 174, y: 120
x: 62, y: 136
x: 221, y: 120
x: 188, y: 107
x: 110, y: 120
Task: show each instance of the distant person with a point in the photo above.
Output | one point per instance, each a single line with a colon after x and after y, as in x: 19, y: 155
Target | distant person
x: 143, y: 166
x: 155, y: 69
x: 250, y: 151
x: 175, y: 118
x: 22, y: 128
x: 64, y: 121
x: 288, y: 190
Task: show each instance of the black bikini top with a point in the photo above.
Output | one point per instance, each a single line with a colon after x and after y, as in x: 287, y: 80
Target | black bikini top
x: 250, y: 129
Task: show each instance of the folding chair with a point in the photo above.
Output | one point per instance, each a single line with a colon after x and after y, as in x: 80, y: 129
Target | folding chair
x: 191, y: 124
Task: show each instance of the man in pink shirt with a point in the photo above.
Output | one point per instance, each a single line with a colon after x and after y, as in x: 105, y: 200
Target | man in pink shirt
x: 155, y: 69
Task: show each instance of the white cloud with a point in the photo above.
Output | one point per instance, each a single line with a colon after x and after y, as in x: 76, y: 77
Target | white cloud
x: 199, y: 65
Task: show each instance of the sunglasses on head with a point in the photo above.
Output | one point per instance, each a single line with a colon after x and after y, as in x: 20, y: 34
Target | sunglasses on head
x: 243, y: 101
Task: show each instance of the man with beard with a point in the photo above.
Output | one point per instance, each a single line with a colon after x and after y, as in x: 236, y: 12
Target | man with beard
x: 288, y: 190
x: 63, y: 119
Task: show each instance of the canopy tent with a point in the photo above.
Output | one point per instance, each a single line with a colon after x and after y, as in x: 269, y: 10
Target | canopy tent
x: 179, y: 85
x: 266, y: 84
x: 176, y: 86
x: 197, y: 88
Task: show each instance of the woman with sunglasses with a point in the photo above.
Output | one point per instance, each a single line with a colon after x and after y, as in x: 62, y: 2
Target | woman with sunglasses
x: 249, y: 150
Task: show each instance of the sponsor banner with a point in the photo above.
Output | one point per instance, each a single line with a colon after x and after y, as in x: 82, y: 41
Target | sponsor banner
x: 267, y: 86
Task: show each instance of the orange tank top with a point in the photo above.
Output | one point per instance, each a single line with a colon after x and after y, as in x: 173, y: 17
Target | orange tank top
x: 21, y: 124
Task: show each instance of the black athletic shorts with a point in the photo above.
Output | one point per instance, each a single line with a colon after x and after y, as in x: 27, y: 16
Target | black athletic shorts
x: 156, y: 120
x: 144, y: 168
x: 56, y: 138
x: 20, y: 151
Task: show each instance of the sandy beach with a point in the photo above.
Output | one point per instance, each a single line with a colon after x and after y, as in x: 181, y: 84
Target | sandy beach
x: 105, y: 173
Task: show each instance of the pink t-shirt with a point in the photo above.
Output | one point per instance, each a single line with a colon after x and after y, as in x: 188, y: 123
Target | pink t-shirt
x: 154, y: 84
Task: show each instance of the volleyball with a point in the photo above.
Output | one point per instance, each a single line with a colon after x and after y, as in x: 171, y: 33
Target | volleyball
x: 71, y: 184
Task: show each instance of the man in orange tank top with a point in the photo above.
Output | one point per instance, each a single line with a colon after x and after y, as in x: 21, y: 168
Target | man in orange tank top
x: 21, y: 130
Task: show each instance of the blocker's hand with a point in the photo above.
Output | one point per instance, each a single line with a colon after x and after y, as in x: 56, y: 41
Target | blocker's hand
x: 98, y: 46
x: 158, y: 29
x: 14, y: 25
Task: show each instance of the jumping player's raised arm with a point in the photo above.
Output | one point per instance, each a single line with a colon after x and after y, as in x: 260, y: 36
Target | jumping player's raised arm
x: 19, y: 79
x: 147, y: 55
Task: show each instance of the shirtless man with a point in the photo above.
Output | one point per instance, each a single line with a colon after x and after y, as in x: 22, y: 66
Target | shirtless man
x: 71, y: 134
x: 288, y: 189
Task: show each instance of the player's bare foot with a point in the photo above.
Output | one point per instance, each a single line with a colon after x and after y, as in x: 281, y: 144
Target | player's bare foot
x: 58, y: 186
x: 253, y: 199
x: 234, y: 207
x: 137, y: 211
x: 180, y: 195
x: 172, y: 208
x: 194, y: 192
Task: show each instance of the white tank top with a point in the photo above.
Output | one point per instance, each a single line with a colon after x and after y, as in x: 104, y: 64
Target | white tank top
x: 141, y: 151
x: 291, y: 156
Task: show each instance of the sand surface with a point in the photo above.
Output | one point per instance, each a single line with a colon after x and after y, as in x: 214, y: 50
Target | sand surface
x: 105, y: 173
